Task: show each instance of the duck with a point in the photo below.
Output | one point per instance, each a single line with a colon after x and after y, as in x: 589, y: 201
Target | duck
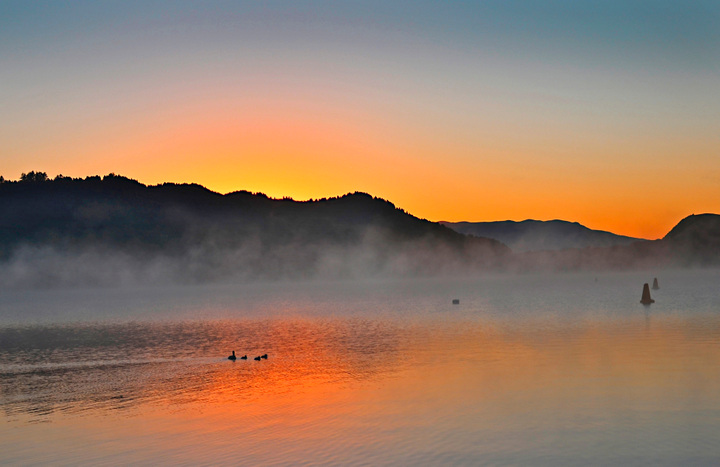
x: 232, y: 357
x: 258, y: 358
x: 244, y: 357
x: 264, y: 356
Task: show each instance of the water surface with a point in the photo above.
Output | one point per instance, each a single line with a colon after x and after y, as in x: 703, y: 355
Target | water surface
x: 536, y: 369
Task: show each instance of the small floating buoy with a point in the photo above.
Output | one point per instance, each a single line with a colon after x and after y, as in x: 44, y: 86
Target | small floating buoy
x: 655, y: 284
x: 455, y: 301
x: 646, y: 300
x: 232, y: 357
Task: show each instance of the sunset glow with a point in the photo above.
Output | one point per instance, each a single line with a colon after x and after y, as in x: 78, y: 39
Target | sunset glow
x: 314, y: 398
x: 605, y: 114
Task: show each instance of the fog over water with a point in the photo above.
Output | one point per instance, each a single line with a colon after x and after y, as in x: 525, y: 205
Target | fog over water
x: 375, y: 253
x: 116, y: 232
x: 541, y: 369
x: 499, y: 296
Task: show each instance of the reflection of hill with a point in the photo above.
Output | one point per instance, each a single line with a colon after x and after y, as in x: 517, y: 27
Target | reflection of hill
x: 103, y: 230
x: 531, y: 235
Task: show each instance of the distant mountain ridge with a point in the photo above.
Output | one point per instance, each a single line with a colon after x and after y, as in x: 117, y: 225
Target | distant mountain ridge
x: 115, y: 229
x: 695, y: 240
x: 533, y: 235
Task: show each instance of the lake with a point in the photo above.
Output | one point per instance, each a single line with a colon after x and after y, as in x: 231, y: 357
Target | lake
x: 535, y: 369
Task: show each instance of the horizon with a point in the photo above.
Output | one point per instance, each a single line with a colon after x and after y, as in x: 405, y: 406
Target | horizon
x: 601, y: 114
x: 349, y: 193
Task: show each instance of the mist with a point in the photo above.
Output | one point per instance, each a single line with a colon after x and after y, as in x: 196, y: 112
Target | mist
x: 114, y: 231
x: 373, y: 256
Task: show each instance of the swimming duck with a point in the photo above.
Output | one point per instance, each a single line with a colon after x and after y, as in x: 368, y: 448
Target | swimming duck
x: 244, y: 357
x: 257, y: 358
x: 264, y: 356
x: 232, y: 357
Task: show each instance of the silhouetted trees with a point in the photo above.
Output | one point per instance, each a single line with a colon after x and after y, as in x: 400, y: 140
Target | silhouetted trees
x: 34, y: 177
x: 206, y: 235
x: 192, y: 233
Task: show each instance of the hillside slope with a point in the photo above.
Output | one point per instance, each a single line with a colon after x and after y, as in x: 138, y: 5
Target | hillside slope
x: 116, y: 229
x: 695, y: 240
x: 532, y: 235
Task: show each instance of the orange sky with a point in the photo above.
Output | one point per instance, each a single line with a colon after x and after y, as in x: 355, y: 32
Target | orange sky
x: 465, y: 177
x: 463, y: 113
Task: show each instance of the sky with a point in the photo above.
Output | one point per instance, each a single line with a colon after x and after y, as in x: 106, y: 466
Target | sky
x: 605, y: 113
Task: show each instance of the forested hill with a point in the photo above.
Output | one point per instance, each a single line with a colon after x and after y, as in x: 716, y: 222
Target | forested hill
x: 693, y: 242
x: 696, y: 240
x: 114, y: 230
x: 186, y: 232
x: 532, y: 235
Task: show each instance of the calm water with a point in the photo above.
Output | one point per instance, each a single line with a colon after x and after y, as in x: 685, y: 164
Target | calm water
x: 530, y: 370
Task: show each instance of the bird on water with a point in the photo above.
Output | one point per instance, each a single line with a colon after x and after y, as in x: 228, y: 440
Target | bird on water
x: 232, y: 357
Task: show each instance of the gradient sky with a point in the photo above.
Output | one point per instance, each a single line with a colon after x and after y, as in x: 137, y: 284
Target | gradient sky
x: 602, y: 112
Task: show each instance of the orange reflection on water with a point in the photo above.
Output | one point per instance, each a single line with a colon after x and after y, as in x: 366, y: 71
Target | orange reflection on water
x: 364, y: 391
x: 458, y: 379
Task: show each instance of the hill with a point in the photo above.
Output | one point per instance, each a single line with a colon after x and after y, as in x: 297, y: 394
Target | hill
x: 116, y: 230
x: 693, y: 242
x: 532, y: 235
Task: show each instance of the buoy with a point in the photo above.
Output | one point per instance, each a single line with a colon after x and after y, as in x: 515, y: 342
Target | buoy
x: 655, y: 284
x: 456, y: 301
x: 646, y: 300
x: 232, y: 357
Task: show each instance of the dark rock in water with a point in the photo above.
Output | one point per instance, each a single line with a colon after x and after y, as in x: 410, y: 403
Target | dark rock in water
x: 655, y: 284
x: 646, y: 300
x: 455, y: 301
